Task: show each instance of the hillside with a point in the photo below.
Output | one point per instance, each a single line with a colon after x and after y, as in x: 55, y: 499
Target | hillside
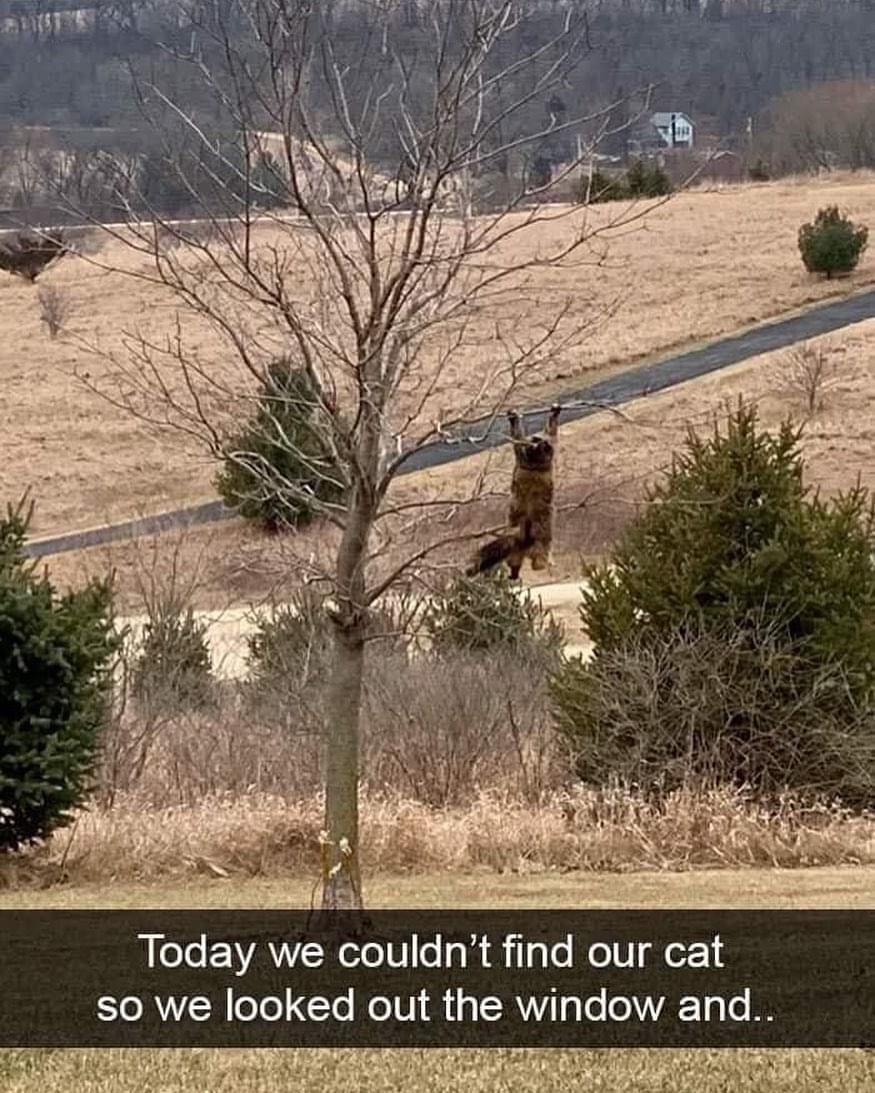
x: 605, y: 464
x: 703, y: 264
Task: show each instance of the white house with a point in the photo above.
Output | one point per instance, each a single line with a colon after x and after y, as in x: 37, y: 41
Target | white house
x: 675, y: 129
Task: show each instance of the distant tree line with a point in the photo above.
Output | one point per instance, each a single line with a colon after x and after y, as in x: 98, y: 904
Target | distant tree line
x: 751, y: 70
x: 723, y: 59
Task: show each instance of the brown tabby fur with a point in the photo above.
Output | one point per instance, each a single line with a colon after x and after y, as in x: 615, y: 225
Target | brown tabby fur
x: 531, y: 502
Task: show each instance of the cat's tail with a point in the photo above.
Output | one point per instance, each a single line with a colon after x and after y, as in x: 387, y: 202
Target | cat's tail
x: 512, y: 545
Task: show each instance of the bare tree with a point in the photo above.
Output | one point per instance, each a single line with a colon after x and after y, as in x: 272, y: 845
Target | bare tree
x: 415, y: 318
x: 54, y: 307
x: 809, y: 373
x: 819, y: 128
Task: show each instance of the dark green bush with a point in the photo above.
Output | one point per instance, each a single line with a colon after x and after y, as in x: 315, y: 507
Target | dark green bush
x: 641, y: 180
x: 759, y: 172
x: 55, y: 655
x: 832, y: 243
x: 173, y: 670
x: 291, y: 644
x: 162, y: 185
x: 279, y: 468
x: 211, y: 179
x: 477, y: 614
x: 743, y: 608
x: 599, y: 187
x: 647, y: 180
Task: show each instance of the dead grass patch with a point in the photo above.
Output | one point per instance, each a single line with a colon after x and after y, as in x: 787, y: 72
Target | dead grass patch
x: 260, y: 835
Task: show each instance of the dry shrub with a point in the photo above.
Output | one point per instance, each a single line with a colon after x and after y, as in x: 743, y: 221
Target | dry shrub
x: 438, y: 729
x: 608, y: 831
x: 54, y: 307
x: 172, y: 760
x: 808, y: 375
x: 704, y: 707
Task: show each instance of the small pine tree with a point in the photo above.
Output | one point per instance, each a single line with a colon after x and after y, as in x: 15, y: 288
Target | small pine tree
x: 636, y: 179
x: 161, y: 185
x: 731, y: 546
x: 540, y: 172
x: 476, y: 614
x: 280, y: 467
x: 647, y: 181
x: 759, y: 172
x: 291, y: 644
x: 832, y: 243
x: 291, y: 648
x: 55, y: 656
x: 599, y: 187
x: 173, y: 670
x: 28, y: 255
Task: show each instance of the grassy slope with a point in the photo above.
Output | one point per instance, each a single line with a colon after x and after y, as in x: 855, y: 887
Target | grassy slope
x: 704, y: 264
x: 605, y: 459
x: 269, y: 1071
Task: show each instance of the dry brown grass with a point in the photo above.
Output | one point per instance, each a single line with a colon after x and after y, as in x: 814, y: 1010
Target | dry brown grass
x: 499, y: 1070
x: 606, y: 831
x: 436, y: 729
x: 605, y: 463
x: 704, y: 264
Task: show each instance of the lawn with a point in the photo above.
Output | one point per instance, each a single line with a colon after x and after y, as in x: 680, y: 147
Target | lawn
x: 372, y: 1071
x: 846, y: 887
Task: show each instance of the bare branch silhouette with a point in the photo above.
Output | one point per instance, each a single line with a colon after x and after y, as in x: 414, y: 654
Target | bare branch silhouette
x: 354, y: 242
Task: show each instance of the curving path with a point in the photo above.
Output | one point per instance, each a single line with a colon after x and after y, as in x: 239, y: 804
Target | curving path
x: 490, y: 432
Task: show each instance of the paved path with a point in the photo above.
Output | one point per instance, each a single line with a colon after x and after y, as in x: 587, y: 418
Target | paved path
x: 490, y: 433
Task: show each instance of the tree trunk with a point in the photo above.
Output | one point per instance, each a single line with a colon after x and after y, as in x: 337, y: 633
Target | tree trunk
x: 341, y: 878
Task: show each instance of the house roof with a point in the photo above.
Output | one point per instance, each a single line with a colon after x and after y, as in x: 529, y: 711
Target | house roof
x: 662, y: 118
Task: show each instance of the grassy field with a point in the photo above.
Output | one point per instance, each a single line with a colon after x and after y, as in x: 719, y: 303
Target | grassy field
x: 843, y: 887
x: 514, y: 1071
x: 605, y: 461
x: 704, y: 264
x: 438, y: 1071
